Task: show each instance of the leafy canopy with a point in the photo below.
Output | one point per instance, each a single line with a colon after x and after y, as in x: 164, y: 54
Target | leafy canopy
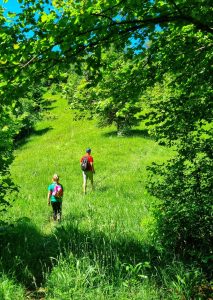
x: 47, y: 36
x: 114, y: 99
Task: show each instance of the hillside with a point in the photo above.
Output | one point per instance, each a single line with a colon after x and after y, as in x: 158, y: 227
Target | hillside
x: 102, y: 249
x: 56, y: 147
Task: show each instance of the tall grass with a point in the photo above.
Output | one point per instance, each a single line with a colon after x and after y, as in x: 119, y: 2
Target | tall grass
x: 9, y: 289
x: 103, y: 249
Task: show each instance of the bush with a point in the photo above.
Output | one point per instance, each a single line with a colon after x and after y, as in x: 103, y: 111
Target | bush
x: 184, y: 185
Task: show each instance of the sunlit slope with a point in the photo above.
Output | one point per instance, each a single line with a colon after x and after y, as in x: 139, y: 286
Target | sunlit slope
x: 120, y: 199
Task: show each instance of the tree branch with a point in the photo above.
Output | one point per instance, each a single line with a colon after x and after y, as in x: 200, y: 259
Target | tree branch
x: 162, y: 20
x: 102, y: 15
x: 116, y: 28
x: 29, y: 62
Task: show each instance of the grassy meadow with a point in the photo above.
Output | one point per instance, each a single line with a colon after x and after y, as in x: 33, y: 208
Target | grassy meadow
x: 103, y: 248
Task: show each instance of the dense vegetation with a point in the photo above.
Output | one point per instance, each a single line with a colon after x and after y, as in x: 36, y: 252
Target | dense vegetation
x: 104, y: 248
x: 122, y: 62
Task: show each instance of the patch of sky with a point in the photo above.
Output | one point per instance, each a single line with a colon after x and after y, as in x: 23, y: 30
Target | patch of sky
x: 119, y: 18
x: 13, y: 7
x: 10, y: 9
x: 158, y: 28
x: 56, y: 48
x: 139, y: 44
x: 10, y: 6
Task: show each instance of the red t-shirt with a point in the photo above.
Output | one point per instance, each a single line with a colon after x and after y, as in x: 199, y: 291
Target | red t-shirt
x: 90, y: 159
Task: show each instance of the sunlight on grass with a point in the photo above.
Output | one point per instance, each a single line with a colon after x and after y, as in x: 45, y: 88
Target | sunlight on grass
x: 102, y: 232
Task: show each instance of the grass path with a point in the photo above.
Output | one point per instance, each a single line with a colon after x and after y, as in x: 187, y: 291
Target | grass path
x: 118, y: 211
x: 57, y: 146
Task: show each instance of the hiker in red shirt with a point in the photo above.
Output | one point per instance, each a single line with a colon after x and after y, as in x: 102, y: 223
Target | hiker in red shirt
x: 87, y: 166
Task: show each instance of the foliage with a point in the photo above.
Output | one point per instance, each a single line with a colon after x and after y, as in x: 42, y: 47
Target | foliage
x: 114, y: 98
x: 185, y: 280
x: 42, y: 42
x: 180, y: 115
x: 17, y: 120
x: 99, y: 251
x: 8, y: 127
x: 51, y: 35
x: 182, y: 94
x: 185, y: 186
x: 29, y: 110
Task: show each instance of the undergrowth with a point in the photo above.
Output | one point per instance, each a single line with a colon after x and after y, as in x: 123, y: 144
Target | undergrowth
x: 103, y: 248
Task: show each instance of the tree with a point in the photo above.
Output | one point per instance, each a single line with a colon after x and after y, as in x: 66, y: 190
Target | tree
x: 69, y: 30
x: 184, y: 183
x: 180, y: 114
x: 45, y: 42
x: 8, y: 128
x: 16, y: 114
x: 114, y: 99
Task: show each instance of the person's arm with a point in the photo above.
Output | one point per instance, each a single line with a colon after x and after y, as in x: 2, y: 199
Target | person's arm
x: 48, y: 197
x: 92, y: 163
x: 92, y: 166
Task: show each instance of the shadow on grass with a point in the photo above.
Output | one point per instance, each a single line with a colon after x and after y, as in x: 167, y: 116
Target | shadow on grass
x: 47, y: 104
x: 101, y: 189
x: 28, y: 130
x: 29, y: 255
x: 22, y: 139
x: 132, y: 133
x: 41, y: 131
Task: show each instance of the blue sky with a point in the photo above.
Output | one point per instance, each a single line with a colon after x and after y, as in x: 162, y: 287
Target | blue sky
x: 11, y: 5
x: 14, y: 6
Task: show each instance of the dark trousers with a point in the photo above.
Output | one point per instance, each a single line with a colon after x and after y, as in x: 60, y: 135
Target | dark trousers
x: 56, y: 210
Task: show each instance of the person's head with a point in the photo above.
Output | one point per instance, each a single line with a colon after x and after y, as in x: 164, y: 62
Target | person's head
x: 55, y: 178
x: 88, y: 150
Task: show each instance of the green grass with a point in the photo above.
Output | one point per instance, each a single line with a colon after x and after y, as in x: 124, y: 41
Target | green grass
x: 103, y: 248
x: 120, y: 171
x: 9, y: 289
